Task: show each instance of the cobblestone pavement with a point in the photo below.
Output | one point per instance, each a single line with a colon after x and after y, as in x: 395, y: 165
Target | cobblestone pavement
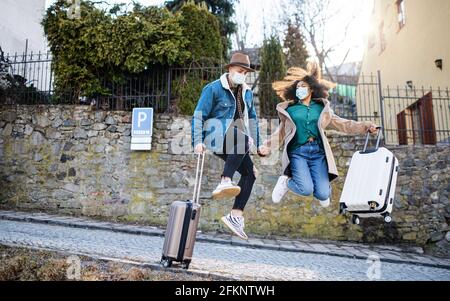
x: 234, y: 261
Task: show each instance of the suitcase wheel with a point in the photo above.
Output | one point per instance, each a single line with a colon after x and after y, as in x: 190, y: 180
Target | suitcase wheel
x: 342, y: 208
x: 387, y: 218
x: 185, y: 265
x: 355, y: 220
x: 166, y: 263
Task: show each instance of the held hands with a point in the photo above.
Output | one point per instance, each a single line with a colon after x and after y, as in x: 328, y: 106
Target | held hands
x: 263, y: 151
x: 373, y: 129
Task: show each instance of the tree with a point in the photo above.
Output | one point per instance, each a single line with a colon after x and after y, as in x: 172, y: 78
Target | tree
x: 222, y: 9
x: 294, y: 44
x: 202, y: 31
x: 313, y: 18
x: 242, y: 30
x: 273, y: 68
x: 5, y: 75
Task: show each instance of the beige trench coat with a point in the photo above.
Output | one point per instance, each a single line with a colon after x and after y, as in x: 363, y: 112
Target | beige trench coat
x: 286, y: 132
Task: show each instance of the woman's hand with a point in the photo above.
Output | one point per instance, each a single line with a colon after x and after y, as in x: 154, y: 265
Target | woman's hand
x: 373, y: 129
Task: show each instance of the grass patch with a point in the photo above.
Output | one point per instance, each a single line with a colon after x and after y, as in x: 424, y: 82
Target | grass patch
x: 18, y: 264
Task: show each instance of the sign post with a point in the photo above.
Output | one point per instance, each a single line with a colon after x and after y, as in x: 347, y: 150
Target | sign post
x: 142, y: 129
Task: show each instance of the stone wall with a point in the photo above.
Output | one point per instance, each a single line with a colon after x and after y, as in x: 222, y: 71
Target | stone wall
x: 73, y: 160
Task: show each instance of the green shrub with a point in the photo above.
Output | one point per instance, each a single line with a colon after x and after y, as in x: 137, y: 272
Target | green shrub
x: 102, y: 46
x: 202, y: 31
x: 273, y: 68
x: 188, y: 89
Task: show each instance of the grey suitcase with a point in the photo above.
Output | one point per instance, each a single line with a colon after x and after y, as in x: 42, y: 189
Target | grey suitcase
x: 182, y: 225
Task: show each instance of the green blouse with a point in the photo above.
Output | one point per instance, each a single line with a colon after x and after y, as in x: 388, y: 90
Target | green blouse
x: 306, y: 120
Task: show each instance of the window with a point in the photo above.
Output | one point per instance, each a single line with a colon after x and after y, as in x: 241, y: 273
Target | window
x: 416, y: 123
x: 401, y: 13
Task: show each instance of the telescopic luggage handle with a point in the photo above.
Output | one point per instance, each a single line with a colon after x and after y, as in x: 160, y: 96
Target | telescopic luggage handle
x: 378, y: 139
x: 198, y: 177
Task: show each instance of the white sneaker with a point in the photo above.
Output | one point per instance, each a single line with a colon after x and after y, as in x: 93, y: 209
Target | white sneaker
x: 325, y: 203
x: 280, y: 189
x: 226, y: 190
x: 235, y: 224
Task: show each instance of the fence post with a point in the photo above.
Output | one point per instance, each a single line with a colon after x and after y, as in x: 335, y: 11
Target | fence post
x: 25, y: 60
x: 50, y: 84
x: 380, y: 91
x: 169, y: 87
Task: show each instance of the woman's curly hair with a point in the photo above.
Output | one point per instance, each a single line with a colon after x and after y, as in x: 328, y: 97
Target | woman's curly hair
x: 313, y: 77
x: 319, y: 91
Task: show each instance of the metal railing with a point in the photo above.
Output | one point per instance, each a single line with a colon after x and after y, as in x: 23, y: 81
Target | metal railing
x: 417, y: 116
x: 409, y: 115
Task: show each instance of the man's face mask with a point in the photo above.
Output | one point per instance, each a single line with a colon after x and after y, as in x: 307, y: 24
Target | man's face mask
x: 302, y: 93
x: 238, y: 78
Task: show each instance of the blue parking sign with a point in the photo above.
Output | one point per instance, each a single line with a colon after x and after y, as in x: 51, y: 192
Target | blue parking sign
x: 142, y: 122
x: 142, y: 129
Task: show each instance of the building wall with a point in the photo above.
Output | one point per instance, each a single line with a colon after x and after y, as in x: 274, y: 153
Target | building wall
x: 75, y: 161
x: 409, y: 55
x: 20, y: 20
x: 410, y: 52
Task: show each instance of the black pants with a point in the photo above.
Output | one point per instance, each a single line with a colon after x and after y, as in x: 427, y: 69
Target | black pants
x: 237, y: 158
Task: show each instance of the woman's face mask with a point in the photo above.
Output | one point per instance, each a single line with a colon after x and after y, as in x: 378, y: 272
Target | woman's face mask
x: 302, y: 93
x: 238, y: 78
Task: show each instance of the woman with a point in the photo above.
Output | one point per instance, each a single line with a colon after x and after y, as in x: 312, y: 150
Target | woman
x: 308, y: 162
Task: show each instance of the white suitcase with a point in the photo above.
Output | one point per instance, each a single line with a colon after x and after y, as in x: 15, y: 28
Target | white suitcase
x: 369, y: 188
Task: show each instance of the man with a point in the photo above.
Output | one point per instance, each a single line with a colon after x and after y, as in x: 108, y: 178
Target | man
x: 225, y: 122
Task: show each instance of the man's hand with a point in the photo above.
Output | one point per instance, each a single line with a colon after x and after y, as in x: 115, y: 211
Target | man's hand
x: 263, y: 151
x: 200, y: 148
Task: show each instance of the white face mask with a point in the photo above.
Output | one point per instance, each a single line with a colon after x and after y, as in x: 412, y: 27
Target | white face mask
x: 238, y: 78
x: 302, y: 92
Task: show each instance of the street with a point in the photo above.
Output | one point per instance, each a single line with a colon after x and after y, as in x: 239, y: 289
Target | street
x: 236, y: 262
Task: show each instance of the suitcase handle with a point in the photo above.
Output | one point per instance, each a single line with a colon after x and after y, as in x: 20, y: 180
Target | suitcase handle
x: 378, y: 139
x: 198, y: 178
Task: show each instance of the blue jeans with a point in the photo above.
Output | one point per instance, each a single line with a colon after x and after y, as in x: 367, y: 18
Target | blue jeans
x: 309, y: 172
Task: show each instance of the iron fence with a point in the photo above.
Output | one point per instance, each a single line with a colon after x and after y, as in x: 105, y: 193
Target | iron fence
x: 409, y: 115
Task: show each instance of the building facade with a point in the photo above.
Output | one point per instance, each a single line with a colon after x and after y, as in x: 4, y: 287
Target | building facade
x: 409, y: 44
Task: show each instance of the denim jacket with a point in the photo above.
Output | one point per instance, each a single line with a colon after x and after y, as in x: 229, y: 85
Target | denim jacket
x: 215, y: 112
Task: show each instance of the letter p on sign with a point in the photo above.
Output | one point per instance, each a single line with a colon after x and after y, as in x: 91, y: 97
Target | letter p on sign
x: 142, y: 116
